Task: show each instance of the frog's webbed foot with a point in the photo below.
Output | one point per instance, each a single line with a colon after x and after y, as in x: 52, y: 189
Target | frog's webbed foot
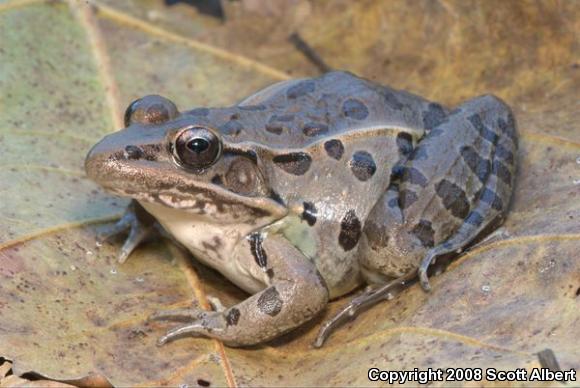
x: 369, y: 298
x: 138, y: 222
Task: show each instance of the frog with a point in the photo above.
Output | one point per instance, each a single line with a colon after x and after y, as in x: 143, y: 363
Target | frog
x: 307, y: 190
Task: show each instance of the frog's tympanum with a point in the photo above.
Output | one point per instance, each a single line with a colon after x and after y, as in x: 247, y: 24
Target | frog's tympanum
x: 306, y: 190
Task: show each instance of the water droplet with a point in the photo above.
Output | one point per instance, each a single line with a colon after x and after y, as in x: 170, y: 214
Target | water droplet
x: 576, y: 181
x: 551, y: 264
x: 73, y: 268
x: 89, y: 253
x: 578, y: 160
x: 183, y: 386
x: 113, y: 271
x: 139, y: 279
x: 486, y: 288
x: 99, y: 244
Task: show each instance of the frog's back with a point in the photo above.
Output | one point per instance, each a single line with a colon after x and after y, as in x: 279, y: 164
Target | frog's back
x: 300, y: 112
x: 331, y: 143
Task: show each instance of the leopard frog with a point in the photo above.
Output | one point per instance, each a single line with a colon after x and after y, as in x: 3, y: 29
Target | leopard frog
x: 306, y: 190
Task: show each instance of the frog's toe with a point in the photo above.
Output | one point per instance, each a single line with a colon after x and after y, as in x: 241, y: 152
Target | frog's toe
x: 216, y: 303
x: 185, y: 315
x: 138, y: 222
x: 120, y: 227
x: 137, y: 234
x: 210, y: 325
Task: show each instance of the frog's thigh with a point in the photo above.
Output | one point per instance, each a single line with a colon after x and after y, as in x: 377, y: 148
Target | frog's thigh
x: 295, y: 293
x: 482, y: 184
x: 458, y: 180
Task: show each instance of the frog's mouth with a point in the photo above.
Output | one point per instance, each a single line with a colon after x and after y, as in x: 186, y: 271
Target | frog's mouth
x: 158, y: 180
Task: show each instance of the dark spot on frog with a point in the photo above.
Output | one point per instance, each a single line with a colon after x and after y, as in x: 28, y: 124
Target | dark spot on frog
x: 414, y: 176
x: 217, y: 180
x: 314, y: 129
x: 393, y: 203
x: 334, y: 149
x: 453, y: 198
x: 391, y: 100
x: 484, y: 132
x: 269, y: 302
x: 474, y: 218
x: 276, y: 197
x: 491, y: 199
x: 213, y: 246
x: 350, y: 231
x: 433, y: 116
x: 300, y: 89
x: 425, y: 233
x: 397, y: 172
x: 502, y: 172
x: 276, y: 124
x: 198, y: 112
x: 133, y: 152
x: 270, y: 273
x: 233, y: 316
x: 508, y: 127
x: 252, y: 107
x: 257, y: 250
x: 203, y: 383
x: 355, y: 109
x: 276, y: 129
x: 504, y: 154
x: 407, y: 198
x: 309, y: 213
x: 477, y: 164
x: 362, y: 165
x: 232, y: 128
x: 296, y: 163
x: 404, y: 143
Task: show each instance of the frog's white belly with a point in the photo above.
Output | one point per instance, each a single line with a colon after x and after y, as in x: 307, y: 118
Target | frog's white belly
x: 212, y: 244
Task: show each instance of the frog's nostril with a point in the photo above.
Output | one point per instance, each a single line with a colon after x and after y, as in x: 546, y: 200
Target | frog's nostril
x: 132, y: 152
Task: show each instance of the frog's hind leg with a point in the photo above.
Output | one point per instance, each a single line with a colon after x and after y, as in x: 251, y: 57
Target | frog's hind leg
x: 495, y: 123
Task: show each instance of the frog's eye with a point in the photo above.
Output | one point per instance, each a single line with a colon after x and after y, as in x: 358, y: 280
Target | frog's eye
x: 197, y: 148
x: 151, y: 109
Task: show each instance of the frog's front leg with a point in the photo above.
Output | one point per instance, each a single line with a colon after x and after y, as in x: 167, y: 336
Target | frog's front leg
x: 294, y: 293
x: 138, y: 222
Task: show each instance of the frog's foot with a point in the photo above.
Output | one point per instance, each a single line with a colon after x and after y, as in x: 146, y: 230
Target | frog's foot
x: 202, y: 323
x: 369, y: 298
x: 138, y: 222
x: 187, y: 314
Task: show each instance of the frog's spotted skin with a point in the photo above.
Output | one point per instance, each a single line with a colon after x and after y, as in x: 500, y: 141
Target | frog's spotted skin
x: 437, y: 208
x: 310, y: 188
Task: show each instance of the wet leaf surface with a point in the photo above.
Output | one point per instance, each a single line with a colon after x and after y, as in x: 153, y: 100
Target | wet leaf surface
x: 67, y: 310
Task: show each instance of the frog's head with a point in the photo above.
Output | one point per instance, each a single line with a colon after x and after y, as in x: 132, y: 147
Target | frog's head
x: 180, y: 161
